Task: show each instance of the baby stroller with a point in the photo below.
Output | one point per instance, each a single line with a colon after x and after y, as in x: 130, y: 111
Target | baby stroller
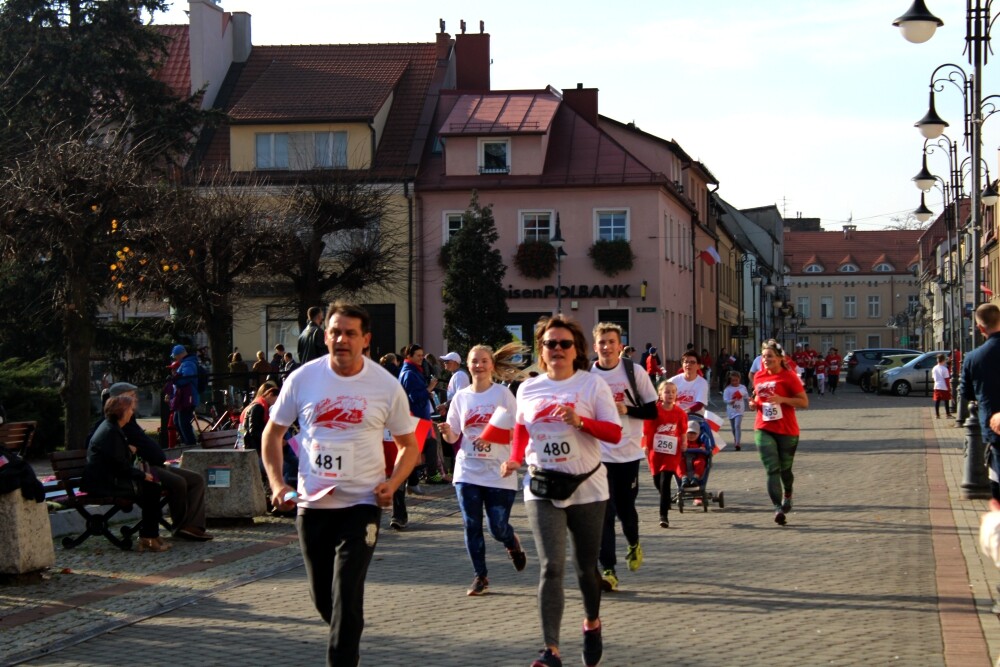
x: 698, y: 465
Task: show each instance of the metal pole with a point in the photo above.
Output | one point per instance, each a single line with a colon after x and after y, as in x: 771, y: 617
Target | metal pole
x: 558, y: 282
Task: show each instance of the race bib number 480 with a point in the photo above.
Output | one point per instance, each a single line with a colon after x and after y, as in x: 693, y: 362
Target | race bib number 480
x: 557, y: 451
x: 332, y: 461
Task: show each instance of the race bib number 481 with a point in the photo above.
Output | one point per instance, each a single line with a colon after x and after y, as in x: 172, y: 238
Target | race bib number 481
x: 333, y: 461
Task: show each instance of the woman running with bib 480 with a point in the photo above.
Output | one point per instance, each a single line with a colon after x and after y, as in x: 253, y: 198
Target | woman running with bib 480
x: 778, y: 391
x: 561, y: 419
x: 478, y: 482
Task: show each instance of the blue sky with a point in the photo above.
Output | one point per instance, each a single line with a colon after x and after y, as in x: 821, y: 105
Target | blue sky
x: 803, y: 104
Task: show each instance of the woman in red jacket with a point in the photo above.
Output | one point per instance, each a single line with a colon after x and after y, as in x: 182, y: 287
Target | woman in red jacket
x: 778, y: 391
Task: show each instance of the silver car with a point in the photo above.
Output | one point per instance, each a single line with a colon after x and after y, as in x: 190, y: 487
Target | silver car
x: 913, y: 376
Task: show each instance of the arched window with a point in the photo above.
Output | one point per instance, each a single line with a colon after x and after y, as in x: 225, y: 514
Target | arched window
x: 884, y: 267
x: 848, y: 268
x: 814, y: 268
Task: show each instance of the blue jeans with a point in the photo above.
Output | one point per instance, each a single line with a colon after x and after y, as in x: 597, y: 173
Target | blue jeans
x: 472, y: 498
x: 185, y: 429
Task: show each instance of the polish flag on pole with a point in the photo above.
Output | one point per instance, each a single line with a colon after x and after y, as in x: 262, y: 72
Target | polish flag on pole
x: 710, y: 256
x: 500, y: 429
x: 715, y: 423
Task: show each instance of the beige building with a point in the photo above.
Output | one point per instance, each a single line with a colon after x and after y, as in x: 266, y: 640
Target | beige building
x: 850, y: 289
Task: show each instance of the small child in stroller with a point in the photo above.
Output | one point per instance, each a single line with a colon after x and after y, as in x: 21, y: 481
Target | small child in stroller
x: 696, y: 455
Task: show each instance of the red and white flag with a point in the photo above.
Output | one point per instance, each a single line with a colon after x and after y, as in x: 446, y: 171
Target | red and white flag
x: 500, y: 429
x: 715, y: 423
x: 710, y: 256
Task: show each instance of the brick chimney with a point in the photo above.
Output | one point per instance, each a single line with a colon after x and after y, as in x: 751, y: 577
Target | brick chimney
x: 583, y: 101
x: 472, y: 59
x: 849, y: 231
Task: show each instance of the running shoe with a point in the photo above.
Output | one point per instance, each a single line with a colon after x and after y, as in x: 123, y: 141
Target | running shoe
x: 786, y: 505
x: 609, y: 580
x: 479, y: 586
x: 664, y: 523
x: 737, y: 448
x: 436, y: 478
x: 634, y: 556
x: 547, y: 659
x: 593, y: 647
x: 517, y: 555
x: 397, y: 524
x: 779, y: 518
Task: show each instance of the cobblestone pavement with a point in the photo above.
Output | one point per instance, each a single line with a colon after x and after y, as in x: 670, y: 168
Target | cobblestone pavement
x: 863, y: 574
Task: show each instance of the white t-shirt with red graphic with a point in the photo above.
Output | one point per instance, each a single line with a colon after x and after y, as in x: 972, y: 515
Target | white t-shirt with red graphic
x: 629, y: 448
x: 478, y: 462
x: 556, y: 445
x: 342, y: 420
x: 691, y: 392
x: 736, y: 400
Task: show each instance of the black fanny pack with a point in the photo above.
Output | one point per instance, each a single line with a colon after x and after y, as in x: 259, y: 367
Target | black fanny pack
x: 555, y: 485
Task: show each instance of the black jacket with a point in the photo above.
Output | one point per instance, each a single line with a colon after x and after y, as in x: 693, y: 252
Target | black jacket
x: 17, y: 474
x: 110, y: 470
x: 145, y: 447
x: 312, y: 344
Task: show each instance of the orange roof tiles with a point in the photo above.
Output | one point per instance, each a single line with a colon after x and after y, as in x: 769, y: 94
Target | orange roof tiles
x: 865, y: 249
x: 175, y: 70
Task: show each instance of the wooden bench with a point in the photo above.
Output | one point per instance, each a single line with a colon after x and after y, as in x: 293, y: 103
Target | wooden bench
x: 218, y: 439
x: 67, y: 467
x: 17, y: 436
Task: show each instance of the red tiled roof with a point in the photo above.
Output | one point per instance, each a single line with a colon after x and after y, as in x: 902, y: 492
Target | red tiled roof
x: 353, y: 78
x: 578, y: 154
x: 326, y: 90
x: 175, y: 71
x: 501, y: 113
x: 865, y: 249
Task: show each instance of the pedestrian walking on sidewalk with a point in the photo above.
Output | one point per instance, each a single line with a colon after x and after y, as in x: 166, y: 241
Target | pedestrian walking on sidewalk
x: 981, y: 380
x: 942, y: 388
x: 478, y: 481
x: 562, y: 417
x: 778, y: 391
x: 343, y: 402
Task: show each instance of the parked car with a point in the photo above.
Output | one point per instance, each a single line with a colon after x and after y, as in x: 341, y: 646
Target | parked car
x: 860, y: 362
x: 870, y: 379
x: 913, y: 376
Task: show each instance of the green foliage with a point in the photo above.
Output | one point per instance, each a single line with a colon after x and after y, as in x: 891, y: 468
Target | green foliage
x: 475, y: 301
x: 29, y: 324
x: 27, y: 393
x: 535, y: 259
x: 135, y: 349
x: 612, y: 257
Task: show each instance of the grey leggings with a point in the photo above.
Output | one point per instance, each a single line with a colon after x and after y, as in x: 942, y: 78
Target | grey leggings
x: 549, y: 525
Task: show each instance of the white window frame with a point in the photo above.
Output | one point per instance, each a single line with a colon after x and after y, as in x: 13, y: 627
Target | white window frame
x: 814, y: 268
x: 884, y: 267
x: 521, y: 236
x: 850, y: 342
x: 271, y: 162
x: 825, y: 343
x: 874, y: 307
x: 850, y: 307
x: 803, y: 306
x: 446, y: 218
x: 338, y: 161
x: 826, y: 304
x: 849, y: 268
x: 481, y: 153
x: 613, y: 211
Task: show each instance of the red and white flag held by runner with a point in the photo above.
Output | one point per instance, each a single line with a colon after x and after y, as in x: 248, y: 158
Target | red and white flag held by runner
x: 500, y: 429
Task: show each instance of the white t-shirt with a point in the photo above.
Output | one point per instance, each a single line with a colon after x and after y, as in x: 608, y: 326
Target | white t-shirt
x: 736, y: 400
x: 342, y: 420
x: 755, y: 366
x: 691, y: 392
x: 629, y: 448
x: 941, y: 376
x: 459, y: 381
x: 556, y: 445
x: 479, y: 462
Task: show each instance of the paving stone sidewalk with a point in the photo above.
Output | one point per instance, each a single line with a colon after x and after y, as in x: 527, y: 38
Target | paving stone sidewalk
x: 853, y: 579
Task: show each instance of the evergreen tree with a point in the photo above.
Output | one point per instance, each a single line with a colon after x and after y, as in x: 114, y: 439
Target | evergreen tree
x: 475, y: 301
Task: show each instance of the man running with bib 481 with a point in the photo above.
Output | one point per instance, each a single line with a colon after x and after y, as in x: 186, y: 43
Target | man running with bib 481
x: 342, y: 402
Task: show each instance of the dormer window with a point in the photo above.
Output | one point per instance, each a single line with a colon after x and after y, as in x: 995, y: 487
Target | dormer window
x: 849, y: 268
x: 814, y: 268
x: 884, y: 267
x: 494, y: 156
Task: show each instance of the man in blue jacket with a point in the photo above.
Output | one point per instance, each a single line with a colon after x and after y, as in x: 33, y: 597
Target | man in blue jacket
x: 418, y: 393
x: 981, y: 379
x: 185, y: 398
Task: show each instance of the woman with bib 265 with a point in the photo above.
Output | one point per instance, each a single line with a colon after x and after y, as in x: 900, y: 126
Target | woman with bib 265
x: 561, y: 418
x: 778, y: 391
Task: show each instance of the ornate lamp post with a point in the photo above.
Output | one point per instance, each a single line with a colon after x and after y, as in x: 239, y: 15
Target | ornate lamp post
x: 756, y: 280
x: 557, y: 242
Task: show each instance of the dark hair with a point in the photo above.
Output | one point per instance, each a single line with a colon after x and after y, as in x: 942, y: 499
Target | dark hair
x: 269, y: 387
x: 279, y: 348
x: 314, y: 312
x: 412, y: 349
x: 349, y: 310
x: 115, y: 407
x: 580, y: 363
x: 691, y: 353
x: 941, y: 357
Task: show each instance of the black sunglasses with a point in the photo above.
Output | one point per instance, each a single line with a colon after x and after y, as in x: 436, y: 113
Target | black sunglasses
x: 553, y: 344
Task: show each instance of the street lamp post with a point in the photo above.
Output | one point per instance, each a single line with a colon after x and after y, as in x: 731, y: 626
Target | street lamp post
x: 756, y: 280
x: 558, y: 242
x: 918, y: 25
